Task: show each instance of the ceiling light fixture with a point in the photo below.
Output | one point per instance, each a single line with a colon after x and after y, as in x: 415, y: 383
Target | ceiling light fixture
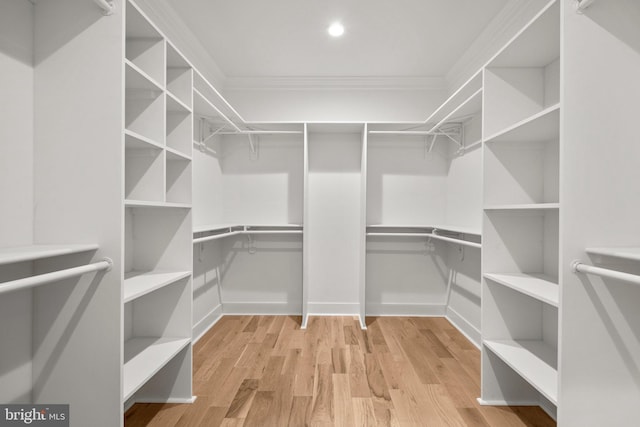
x: 336, y: 29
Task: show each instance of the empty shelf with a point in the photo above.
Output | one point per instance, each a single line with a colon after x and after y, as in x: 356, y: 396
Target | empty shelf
x: 144, y: 357
x: 139, y: 283
x: 535, y: 361
x: 34, y: 252
x: 146, y: 203
x: 537, y: 286
x: 630, y: 253
x: 137, y: 79
x: 524, y: 207
x: 542, y: 126
x: 175, y: 105
x: 135, y: 140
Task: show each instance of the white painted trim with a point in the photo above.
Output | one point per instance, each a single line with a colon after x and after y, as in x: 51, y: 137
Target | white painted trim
x: 262, y: 308
x: 336, y: 83
x: 170, y: 400
x: 465, y: 327
x: 206, y: 323
x: 416, y: 310
x: 550, y: 410
x: 333, y: 309
x: 496, y: 34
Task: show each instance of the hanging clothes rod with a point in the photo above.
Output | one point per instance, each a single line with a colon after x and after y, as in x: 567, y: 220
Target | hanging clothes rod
x: 579, y: 267
x: 107, y: 6
x: 41, y: 279
x: 458, y: 241
x: 263, y: 132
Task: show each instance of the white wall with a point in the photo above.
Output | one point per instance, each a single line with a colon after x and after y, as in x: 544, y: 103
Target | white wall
x: 334, y: 105
x: 208, y: 205
x: 333, y: 228
x: 207, y: 263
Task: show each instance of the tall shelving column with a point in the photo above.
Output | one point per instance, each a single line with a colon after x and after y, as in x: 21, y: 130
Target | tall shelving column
x: 520, y: 225
x: 157, y: 216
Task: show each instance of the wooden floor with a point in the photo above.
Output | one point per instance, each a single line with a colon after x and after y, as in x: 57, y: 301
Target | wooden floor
x: 265, y: 371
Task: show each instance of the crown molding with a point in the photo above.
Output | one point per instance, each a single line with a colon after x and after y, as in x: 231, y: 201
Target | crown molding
x: 165, y: 17
x: 513, y: 16
x: 336, y: 83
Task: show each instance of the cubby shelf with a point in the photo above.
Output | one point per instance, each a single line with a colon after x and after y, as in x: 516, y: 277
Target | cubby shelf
x: 630, y: 253
x: 140, y: 283
x: 144, y: 357
x: 136, y: 78
x: 173, y: 154
x: 538, y: 286
x: 135, y: 140
x: 15, y: 254
x: 523, y: 207
x: 151, y: 204
x: 175, y: 105
x: 542, y: 126
x: 535, y: 361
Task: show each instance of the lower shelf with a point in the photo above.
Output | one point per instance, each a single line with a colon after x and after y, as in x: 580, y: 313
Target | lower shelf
x: 535, y: 361
x: 144, y: 357
x: 139, y: 283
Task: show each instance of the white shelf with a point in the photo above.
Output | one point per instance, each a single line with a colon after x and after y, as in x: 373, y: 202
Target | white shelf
x: 542, y: 126
x: 538, y: 286
x: 450, y: 228
x: 535, y: 361
x: 213, y: 227
x: 144, y: 203
x: 135, y: 140
x: 139, y: 283
x: 382, y: 234
x: 137, y: 79
x: 173, y: 154
x: 457, y: 98
x: 631, y: 253
x: 144, y: 357
x: 468, y: 108
x: 523, y: 207
x: 15, y: 254
x: 175, y: 105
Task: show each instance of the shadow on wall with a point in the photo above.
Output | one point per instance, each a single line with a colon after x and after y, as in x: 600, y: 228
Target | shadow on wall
x: 620, y: 18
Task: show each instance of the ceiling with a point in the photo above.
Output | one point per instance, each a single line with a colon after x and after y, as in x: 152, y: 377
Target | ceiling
x: 383, y: 38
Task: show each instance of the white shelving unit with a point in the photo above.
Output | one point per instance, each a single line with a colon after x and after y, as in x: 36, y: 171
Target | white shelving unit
x: 520, y: 292
x: 17, y: 254
x: 157, y: 213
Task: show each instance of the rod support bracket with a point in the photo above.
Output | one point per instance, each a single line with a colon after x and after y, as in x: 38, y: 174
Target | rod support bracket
x: 108, y: 261
x: 574, y: 265
x: 582, y: 5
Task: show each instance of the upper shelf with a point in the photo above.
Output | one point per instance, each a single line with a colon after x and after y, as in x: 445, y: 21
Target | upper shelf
x: 457, y: 99
x: 542, y: 126
x: 449, y: 228
x: 630, y: 253
x: 30, y: 253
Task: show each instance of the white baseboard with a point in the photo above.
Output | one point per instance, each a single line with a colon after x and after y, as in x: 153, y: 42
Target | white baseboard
x: 416, y: 310
x: 467, y: 329
x: 129, y: 403
x: 203, y: 326
x: 262, y: 308
x: 333, y: 309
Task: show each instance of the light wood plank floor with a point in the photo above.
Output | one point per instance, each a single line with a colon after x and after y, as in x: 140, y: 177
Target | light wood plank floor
x: 265, y: 371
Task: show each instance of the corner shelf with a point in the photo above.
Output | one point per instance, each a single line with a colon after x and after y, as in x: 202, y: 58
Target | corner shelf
x: 16, y: 254
x: 144, y: 357
x: 538, y: 286
x: 140, y: 283
x: 535, y: 361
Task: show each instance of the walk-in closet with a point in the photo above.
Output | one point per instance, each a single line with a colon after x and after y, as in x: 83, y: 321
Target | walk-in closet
x: 322, y: 213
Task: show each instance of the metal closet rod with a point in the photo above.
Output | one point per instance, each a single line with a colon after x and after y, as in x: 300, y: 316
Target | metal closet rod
x: 41, y: 279
x: 579, y: 267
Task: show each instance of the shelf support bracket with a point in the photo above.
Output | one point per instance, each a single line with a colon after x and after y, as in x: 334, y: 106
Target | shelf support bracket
x: 253, y: 145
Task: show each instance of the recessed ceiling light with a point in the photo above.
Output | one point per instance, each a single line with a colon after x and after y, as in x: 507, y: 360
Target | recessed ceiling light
x: 336, y: 29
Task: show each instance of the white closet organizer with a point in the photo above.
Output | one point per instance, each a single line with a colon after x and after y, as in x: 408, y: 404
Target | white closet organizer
x: 248, y: 212
x: 420, y: 176
x: 521, y: 205
x: 157, y: 295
